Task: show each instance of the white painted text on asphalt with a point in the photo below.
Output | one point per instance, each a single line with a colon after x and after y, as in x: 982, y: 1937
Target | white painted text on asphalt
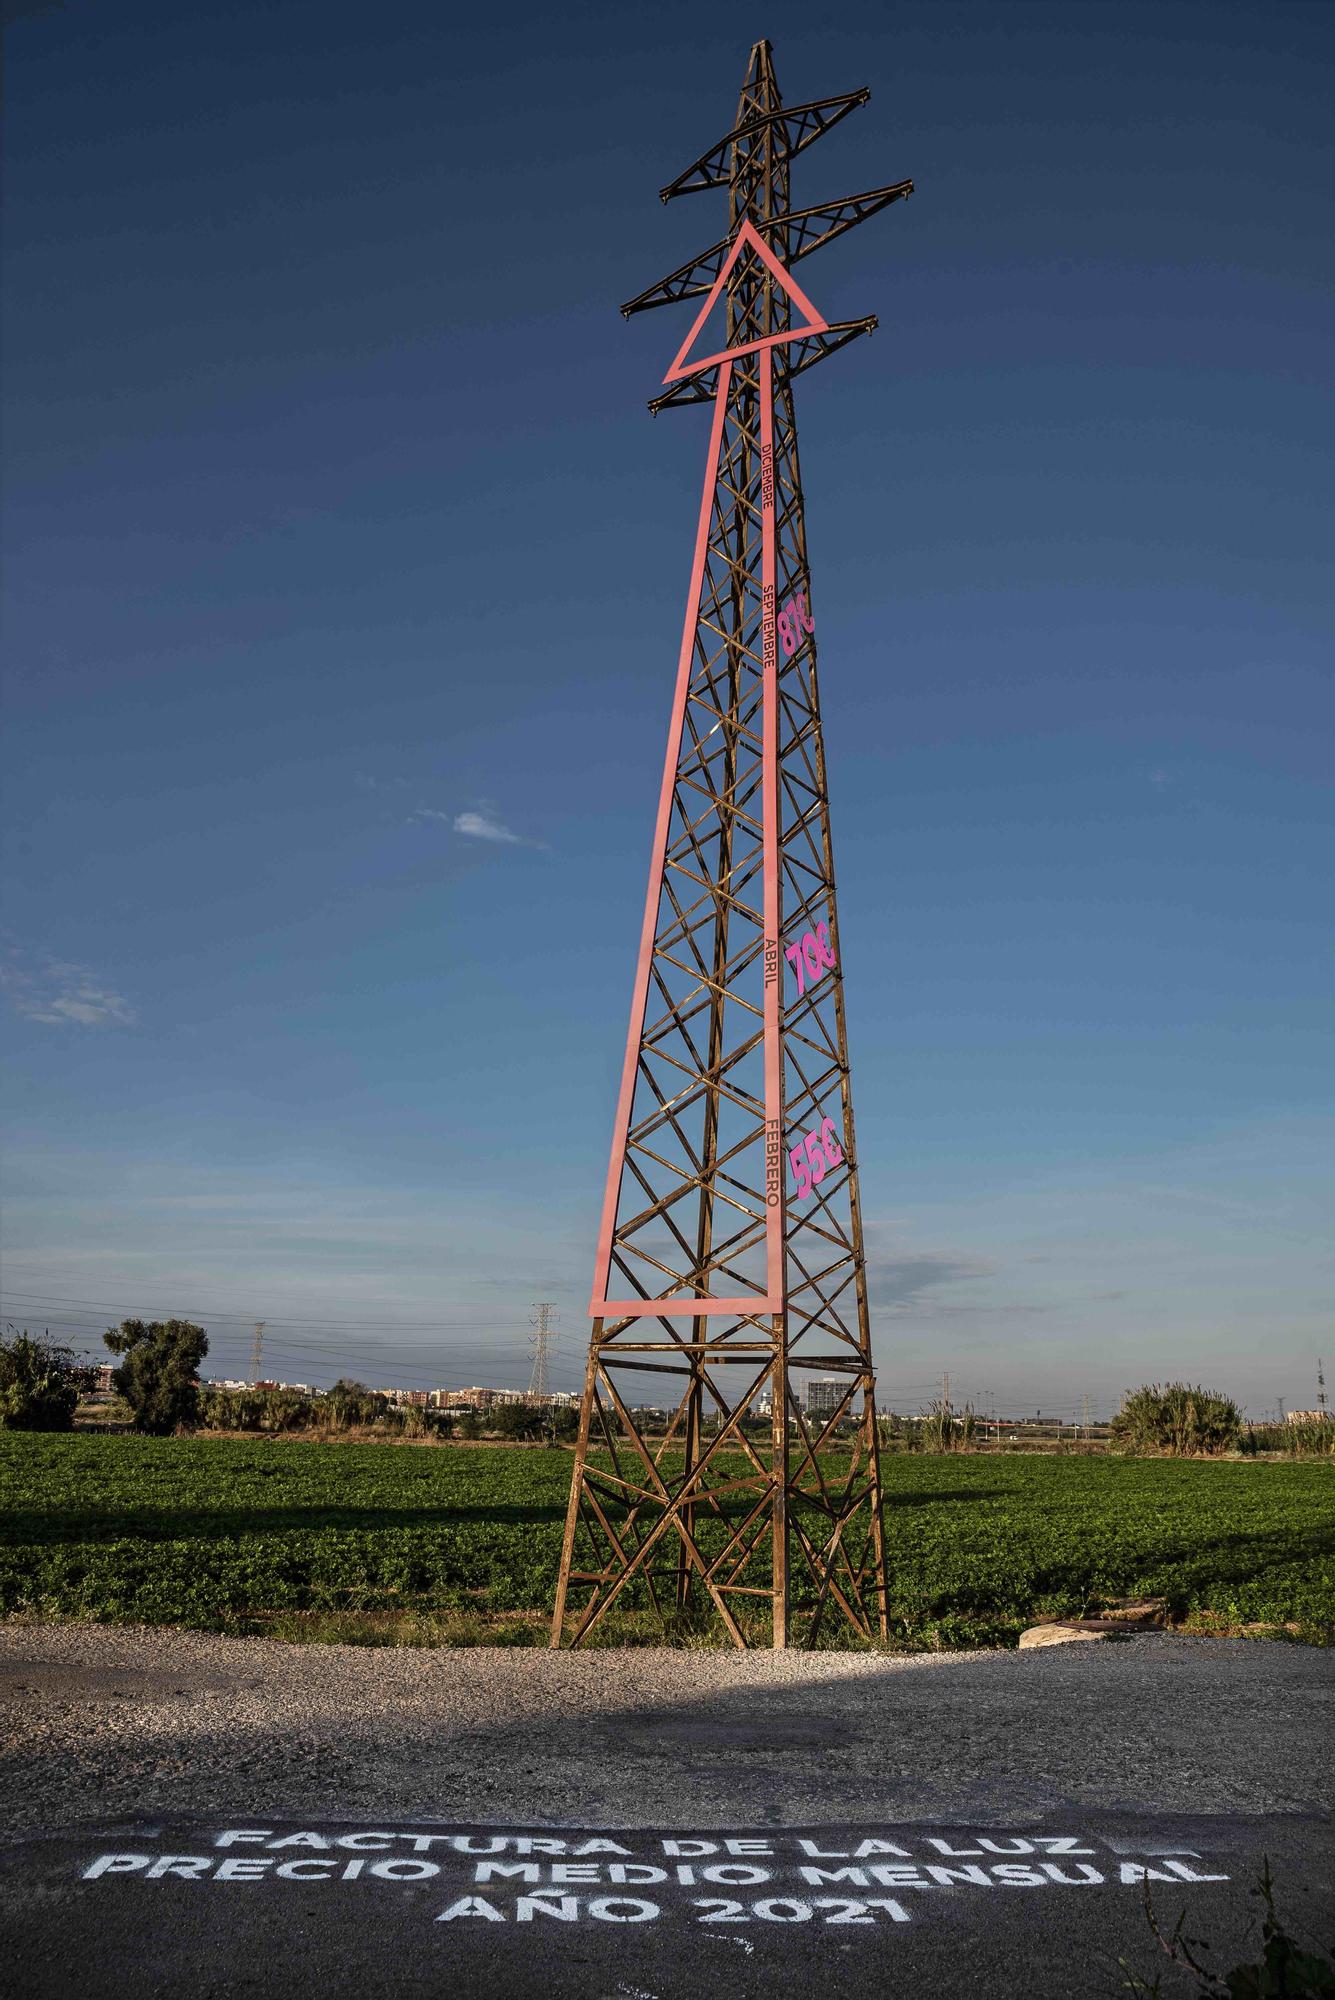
x: 505, y: 1877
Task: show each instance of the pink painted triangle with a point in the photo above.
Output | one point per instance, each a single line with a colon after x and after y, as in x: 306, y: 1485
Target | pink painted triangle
x: 748, y: 237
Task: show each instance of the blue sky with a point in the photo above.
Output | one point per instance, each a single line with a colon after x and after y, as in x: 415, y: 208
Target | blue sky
x: 343, y: 595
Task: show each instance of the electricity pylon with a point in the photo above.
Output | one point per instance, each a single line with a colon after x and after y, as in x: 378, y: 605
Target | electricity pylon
x: 730, y: 1257
x: 541, y: 1340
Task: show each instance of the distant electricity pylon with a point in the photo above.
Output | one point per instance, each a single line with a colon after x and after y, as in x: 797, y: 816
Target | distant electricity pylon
x: 730, y: 1254
x: 257, y: 1351
x: 541, y: 1340
x: 1320, y: 1383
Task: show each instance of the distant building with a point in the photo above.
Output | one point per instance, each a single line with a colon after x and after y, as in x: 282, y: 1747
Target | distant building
x: 467, y: 1399
x: 263, y: 1388
x: 1309, y: 1416
x: 824, y: 1396
x: 478, y: 1398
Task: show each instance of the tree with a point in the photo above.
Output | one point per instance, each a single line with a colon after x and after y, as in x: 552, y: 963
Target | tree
x: 39, y: 1384
x: 516, y: 1420
x: 159, y: 1377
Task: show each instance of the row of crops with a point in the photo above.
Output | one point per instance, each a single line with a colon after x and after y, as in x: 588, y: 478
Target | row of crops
x: 263, y: 1535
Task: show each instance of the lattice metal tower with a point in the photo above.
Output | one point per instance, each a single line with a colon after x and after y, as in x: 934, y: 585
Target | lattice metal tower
x: 730, y: 1259
x: 541, y: 1340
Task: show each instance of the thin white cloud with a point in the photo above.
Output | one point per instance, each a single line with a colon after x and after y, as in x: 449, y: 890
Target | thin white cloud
x: 60, y: 993
x: 485, y: 826
x: 480, y: 823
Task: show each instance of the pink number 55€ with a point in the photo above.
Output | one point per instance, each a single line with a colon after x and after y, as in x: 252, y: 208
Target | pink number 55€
x: 818, y: 1154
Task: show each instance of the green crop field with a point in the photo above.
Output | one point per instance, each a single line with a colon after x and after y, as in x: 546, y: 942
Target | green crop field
x: 393, y: 1543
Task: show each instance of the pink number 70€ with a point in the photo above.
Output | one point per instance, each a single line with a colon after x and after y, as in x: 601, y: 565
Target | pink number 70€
x: 810, y: 956
x: 817, y: 1155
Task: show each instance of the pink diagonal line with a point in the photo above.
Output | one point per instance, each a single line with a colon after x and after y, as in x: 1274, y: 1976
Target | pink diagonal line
x: 747, y: 236
x: 621, y: 1128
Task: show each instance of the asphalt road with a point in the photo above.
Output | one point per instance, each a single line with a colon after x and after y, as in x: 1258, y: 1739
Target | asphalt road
x: 187, y: 1815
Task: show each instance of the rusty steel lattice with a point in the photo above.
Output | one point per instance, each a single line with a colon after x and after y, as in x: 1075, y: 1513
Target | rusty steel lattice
x: 730, y: 1268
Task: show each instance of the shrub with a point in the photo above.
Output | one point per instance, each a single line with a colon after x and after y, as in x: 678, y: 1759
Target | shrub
x: 1185, y: 1422
x: 349, y: 1405
x: 275, y: 1410
x: 1305, y: 1440
x: 346, y: 1407
x: 39, y: 1384
x: 939, y: 1429
x: 516, y: 1420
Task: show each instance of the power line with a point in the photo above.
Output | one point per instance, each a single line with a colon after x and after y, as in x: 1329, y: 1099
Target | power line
x: 394, y: 1355
x: 488, y: 1344
x: 497, y: 1360
x: 32, y: 1300
x: 230, y: 1331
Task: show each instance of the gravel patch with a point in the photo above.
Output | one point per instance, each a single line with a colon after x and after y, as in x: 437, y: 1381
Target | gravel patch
x: 101, y: 1721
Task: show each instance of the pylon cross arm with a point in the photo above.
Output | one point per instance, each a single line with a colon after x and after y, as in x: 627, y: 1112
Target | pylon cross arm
x: 799, y: 356
x: 802, y: 229
x: 794, y: 129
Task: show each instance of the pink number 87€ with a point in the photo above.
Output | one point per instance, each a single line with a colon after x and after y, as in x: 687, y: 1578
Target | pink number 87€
x: 793, y: 621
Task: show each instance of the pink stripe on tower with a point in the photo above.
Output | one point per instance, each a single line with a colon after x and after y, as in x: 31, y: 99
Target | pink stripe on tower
x: 769, y: 653
x: 600, y: 1306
